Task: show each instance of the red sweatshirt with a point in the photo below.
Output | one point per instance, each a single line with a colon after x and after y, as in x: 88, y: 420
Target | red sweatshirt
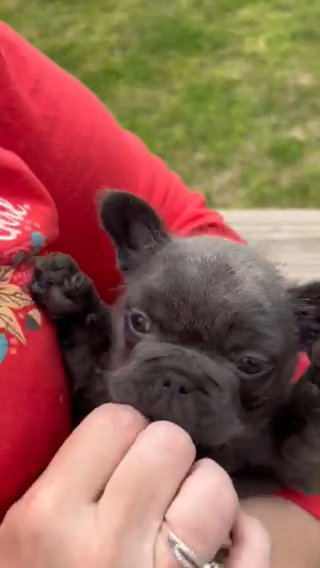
x: 58, y: 147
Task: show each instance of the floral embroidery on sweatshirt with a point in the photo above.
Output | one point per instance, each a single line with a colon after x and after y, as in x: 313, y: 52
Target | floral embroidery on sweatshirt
x: 17, y: 311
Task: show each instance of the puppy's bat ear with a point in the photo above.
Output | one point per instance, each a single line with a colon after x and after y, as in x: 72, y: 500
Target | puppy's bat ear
x: 306, y: 306
x: 134, y: 227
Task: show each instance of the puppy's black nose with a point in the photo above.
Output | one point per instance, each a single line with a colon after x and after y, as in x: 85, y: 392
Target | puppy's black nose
x: 177, y: 385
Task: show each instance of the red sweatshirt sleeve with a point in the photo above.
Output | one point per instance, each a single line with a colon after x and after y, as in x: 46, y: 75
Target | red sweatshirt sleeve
x: 74, y: 147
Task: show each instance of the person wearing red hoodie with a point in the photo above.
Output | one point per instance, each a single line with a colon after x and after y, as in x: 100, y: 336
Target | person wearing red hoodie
x: 58, y: 147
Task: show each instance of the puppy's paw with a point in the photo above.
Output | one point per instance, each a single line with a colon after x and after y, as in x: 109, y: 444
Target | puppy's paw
x: 59, y: 286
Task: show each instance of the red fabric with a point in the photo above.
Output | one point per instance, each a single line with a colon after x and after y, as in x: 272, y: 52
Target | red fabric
x: 34, y: 408
x: 58, y: 146
x: 310, y: 503
x: 302, y: 366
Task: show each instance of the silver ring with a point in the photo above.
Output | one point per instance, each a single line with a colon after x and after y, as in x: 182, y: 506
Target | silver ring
x: 185, y: 556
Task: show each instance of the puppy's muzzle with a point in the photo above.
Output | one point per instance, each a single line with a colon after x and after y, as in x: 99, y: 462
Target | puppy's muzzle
x: 177, y: 369
x: 168, y: 382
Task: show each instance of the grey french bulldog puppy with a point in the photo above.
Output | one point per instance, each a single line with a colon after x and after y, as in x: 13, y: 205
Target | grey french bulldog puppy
x: 205, y: 334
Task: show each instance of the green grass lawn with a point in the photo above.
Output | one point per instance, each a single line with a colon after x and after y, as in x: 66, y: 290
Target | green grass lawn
x: 226, y: 91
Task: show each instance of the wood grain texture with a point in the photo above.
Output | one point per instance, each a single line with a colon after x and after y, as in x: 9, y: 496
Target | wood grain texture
x: 290, y: 237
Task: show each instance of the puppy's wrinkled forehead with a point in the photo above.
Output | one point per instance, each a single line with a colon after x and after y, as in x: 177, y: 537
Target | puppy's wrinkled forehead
x: 214, y: 267
x: 200, y: 279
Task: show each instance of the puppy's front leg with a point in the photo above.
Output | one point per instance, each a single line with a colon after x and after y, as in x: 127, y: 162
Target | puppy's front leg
x: 83, y: 326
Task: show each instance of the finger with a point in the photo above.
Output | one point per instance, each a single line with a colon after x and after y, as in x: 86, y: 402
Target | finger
x: 147, y: 479
x: 82, y: 467
x: 202, y: 514
x: 251, y: 545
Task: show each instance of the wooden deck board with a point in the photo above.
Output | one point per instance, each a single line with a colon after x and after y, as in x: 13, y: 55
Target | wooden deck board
x: 290, y: 237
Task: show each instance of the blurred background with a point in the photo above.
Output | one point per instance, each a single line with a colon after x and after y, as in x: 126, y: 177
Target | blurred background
x: 226, y: 91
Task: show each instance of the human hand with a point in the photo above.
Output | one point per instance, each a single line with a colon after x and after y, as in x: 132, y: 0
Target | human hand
x: 112, y: 493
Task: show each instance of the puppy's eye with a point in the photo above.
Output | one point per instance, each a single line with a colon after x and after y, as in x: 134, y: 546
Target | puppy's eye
x: 252, y: 364
x: 138, y: 322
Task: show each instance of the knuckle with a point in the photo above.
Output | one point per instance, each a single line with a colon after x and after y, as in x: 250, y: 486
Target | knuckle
x: 124, y: 417
x: 38, y: 510
x: 32, y: 515
x: 259, y: 535
x: 219, y: 476
x: 168, y: 436
x: 219, y: 485
x: 13, y: 518
x: 228, y: 497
